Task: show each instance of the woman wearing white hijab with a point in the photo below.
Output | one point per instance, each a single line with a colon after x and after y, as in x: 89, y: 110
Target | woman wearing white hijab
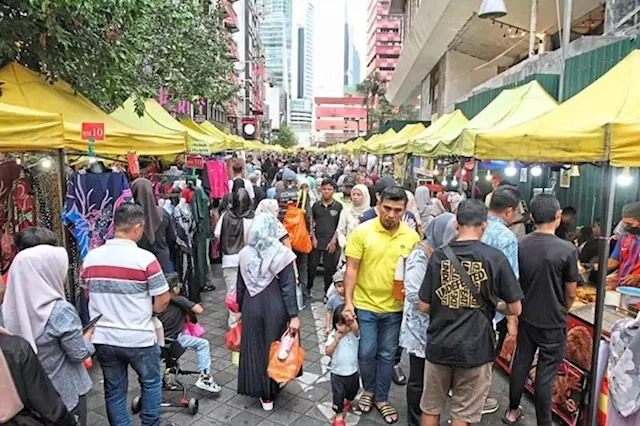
x: 350, y: 216
x: 267, y: 300
x: 35, y: 309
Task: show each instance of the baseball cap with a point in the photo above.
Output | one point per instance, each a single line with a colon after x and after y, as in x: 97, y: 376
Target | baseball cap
x: 349, y: 181
x: 383, y: 183
x: 289, y: 175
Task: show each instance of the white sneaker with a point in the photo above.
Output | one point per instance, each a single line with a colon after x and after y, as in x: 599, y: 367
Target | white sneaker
x: 205, y: 382
x: 266, y: 405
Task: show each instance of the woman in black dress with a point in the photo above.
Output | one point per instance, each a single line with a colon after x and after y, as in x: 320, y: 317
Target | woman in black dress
x: 267, y: 299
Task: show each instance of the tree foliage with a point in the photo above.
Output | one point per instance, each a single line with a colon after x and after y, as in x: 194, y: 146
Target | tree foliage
x: 378, y: 107
x: 286, y: 137
x: 112, y: 49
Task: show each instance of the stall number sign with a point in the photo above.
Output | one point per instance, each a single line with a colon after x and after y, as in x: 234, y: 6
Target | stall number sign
x: 93, y: 131
x: 194, y: 162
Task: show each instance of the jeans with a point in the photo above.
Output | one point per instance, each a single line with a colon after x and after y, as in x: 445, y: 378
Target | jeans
x: 379, y: 334
x: 329, y: 262
x: 114, y: 361
x: 415, y: 384
x: 551, y: 345
x: 201, y: 346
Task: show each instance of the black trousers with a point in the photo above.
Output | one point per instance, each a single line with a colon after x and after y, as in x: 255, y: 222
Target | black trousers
x: 344, y: 388
x: 329, y: 262
x: 80, y: 411
x: 415, y: 386
x: 551, y: 344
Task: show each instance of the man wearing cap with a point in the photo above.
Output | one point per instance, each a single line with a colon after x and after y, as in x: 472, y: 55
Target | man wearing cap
x: 383, y: 183
x: 288, y: 196
x: 626, y: 254
x: 344, y: 197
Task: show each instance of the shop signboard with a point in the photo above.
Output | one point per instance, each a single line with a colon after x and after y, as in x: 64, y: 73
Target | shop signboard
x: 194, y: 162
x: 198, y: 147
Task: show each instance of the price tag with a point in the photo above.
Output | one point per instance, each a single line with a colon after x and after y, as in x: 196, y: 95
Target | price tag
x: 93, y: 131
x: 194, y: 162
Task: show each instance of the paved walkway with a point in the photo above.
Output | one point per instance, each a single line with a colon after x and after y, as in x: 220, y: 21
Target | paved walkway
x: 305, y: 402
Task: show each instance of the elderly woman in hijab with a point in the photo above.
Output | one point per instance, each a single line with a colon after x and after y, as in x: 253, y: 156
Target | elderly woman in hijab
x: 28, y: 397
x: 350, y: 216
x: 232, y: 230
x: 413, y: 332
x: 36, y: 310
x: 159, y: 234
x: 267, y: 300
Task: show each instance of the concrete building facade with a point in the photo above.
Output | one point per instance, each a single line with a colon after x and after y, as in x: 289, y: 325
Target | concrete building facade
x: 339, y: 118
x: 383, y: 39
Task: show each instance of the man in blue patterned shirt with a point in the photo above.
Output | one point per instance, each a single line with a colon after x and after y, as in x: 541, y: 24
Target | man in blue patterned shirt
x: 503, y: 210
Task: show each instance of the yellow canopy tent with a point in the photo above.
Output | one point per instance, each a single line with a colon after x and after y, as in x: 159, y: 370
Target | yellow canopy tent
x: 158, y: 120
x: 443, y: 125
x: 511, y: 107
x: 25, y: 88
x: 24, y: 129
x: 376, y: 141
x: 600, y: 123
x: 232, y: 142
x: 399, y: 142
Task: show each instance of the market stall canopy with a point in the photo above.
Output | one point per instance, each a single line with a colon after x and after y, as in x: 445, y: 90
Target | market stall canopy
x: 25, y: 129
x: 232, y: 142
x: 577, y: 130
x: 419, y: 145
x: 511, y: 107
x: 25, y: 88
x: 378, y: 140
x: 399, y: 142
x: 156, y: 119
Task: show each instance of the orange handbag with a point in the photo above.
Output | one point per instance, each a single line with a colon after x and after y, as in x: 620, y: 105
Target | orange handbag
x: 283, y: 371
x: 296, y: 225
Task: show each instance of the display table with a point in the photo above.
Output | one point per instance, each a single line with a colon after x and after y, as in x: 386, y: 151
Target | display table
x: 570, y: 388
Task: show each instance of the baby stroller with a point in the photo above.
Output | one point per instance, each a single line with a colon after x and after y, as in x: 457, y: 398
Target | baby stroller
x: 171, y: 353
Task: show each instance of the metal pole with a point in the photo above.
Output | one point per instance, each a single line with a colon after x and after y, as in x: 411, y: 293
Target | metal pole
x: 533, y: 27
x: 474, y: 178
x: 461, y: 169
x: 566, y: 39
x: 608, y: 198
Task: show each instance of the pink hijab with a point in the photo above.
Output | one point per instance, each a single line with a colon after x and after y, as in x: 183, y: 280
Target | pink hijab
x: 36, y: 283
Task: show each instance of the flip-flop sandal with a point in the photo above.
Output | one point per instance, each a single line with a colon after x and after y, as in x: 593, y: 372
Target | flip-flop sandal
x: 387, y: 411
x: 398, y: 376
x: 365, y: 403
x: 506, y: 421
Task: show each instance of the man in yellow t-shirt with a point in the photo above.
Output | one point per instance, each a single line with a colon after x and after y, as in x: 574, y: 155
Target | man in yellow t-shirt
x: 372, y: 254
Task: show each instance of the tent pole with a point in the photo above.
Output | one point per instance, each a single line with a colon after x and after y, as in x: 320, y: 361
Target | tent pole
x: 608, y: 198
x: 474, y: 178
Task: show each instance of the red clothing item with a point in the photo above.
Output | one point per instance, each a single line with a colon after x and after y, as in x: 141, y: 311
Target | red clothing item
x: 187, y: 194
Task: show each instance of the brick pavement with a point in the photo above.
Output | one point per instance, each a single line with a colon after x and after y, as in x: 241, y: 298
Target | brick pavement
x: 305, y: 402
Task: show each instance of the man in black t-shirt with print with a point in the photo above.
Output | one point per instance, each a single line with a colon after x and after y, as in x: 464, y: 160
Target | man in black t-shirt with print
x: 460, y: 338
x: 548, y: 275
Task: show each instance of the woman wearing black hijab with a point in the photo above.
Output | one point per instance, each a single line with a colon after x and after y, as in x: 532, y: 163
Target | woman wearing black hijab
x: 232, y: 230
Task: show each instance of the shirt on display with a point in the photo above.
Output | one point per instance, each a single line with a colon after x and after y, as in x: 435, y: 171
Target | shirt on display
x: 460, y: 334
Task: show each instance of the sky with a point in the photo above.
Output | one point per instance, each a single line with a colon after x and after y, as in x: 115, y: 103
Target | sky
x: 329, y: 42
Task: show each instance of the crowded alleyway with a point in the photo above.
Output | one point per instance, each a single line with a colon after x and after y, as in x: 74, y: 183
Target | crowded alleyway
x: 305, y: 402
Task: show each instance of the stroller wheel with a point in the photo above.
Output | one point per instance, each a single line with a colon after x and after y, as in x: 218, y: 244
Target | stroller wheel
x: 193, y: 406
x: 135, y: 405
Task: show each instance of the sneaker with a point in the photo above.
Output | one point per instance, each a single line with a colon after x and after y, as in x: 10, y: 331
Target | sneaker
x: 490, y: 406
x: 266, y: 405
x: 205, y: 382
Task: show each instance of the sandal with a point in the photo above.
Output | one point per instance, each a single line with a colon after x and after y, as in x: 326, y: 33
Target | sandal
x: 386, y: 411
x: 398, y: 376
x: 506, y: 421
x: 365, y: 403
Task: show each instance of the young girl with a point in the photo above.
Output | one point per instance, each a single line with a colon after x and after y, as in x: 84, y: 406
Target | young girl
x: 342, y: 347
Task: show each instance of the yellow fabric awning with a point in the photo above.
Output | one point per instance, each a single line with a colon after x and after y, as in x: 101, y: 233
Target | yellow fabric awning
x: 399, y: 142
x: 421, y: 144
x: 25, y: 88
x: 25, y: 129
x: 576, y: 130
x: 156, y: 119
x: 511, y: 107
x: 375, y: 142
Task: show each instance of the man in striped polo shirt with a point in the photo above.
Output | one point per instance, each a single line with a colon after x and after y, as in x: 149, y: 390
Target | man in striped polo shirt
x: 126, y: 286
